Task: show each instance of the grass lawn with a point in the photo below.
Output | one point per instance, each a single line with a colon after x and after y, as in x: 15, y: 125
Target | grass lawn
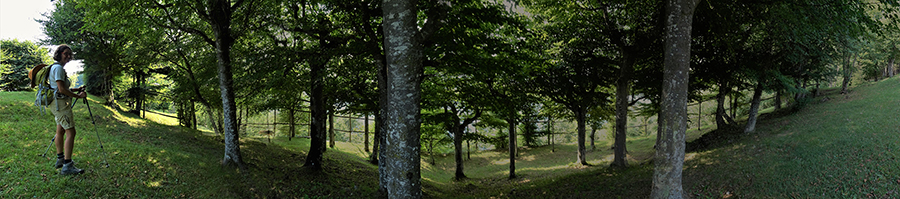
x: 847, y: 146
x: 151, y: 160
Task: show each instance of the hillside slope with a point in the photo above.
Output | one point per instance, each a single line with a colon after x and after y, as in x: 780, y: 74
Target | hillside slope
x: 845, y: 146
x: 150, y: 160
x: 840, y: 146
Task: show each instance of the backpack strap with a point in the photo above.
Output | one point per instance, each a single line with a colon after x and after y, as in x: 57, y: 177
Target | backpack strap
x: 55, y: 91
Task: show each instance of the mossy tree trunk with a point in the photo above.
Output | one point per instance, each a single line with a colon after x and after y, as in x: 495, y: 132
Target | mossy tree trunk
x: 669, y: 158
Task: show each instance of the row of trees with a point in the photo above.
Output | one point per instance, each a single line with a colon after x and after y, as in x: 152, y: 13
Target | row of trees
x: 16, y: 58
x: 442, y: 65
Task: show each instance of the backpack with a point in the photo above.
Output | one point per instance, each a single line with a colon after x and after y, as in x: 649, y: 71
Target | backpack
x: 40, y: 76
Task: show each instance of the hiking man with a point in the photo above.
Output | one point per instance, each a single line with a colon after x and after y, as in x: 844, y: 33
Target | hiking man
x: 61, y: 108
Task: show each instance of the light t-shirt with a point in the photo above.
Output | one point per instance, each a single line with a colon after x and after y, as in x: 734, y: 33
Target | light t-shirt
x: 57, y: 72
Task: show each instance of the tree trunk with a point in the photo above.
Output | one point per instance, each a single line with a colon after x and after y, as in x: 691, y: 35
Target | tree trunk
x: 847, y: 74
x: 720, y: 106
x: 379, y: 134
x: 550, y: 135
x: 366, y: 134
x: 581, y: 153
x: 468, y: 149
x: 220, y: 16
x: 350, y: 131
x: 457, y: 146
x: 240, y: 118
x: 399, y: 172
x: 891, y: 70
x: 291, y: 124
x: 512, y: 148
x: 623, y: 90
x: 734, y: 107
x: 318, y: 116
x: 274, y: 122
x: 754, y: 107
x: 331, y: 128
x: 193, y: 116
x: 213, y: 120
x: 593, y: 136
x: 778, y: 100
x: 377, y: 139
x: 669, y: 159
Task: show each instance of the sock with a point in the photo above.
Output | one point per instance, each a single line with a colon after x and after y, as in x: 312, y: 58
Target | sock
x: 67, y: 161
x: 60, y: 156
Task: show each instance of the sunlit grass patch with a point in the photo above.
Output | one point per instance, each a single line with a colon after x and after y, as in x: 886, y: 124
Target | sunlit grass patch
x: 149, y: 160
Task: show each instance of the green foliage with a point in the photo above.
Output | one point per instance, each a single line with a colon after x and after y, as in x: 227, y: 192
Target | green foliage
x: 530, y: 133
x: 103, y: 51
x: 16, y: 58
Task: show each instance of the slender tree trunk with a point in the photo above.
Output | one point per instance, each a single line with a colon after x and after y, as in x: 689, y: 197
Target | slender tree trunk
x: 699, y: 114
x: 275, y: 122
x: 291, y: 124
x: 240, y: 118
x: 778, y: 100
x: 468, y: 149
x: 366, y: 134
x: 891, y: 70
x: 623, y: 90
x: 816, y: 94
x: 512, y: 148
x: 593, y: 136
x: 380, y: 122
x: 213, y: 120
x: 550, y: 131
x: 669, y: 159
x: 350, y: 132
x: 754, y: 107
x: 193, y: 116
x: 318, y: 116
x: 331, y: 128
x: 734, y: 106
x: 377, y: 139
x: 457, y: 146
x: 847, y: 74
x: 399, y: 172
x: 580, y: 119
x: 720, y: 106
x: 431, y: 151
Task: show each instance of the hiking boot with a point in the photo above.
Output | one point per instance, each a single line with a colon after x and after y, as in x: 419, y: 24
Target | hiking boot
x: 60, y: 160
x: 69, y: 169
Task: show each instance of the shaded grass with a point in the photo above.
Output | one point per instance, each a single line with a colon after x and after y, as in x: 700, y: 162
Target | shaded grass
x: 843, y: 147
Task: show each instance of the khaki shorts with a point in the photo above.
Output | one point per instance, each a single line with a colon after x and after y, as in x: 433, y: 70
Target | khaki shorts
x: 64, y: 116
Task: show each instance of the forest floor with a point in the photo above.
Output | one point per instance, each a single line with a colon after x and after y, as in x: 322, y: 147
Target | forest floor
x: 839, y: 146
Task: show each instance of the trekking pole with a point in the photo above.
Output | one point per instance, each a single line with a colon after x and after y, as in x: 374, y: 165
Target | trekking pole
x: 48, y: 147
x: 95, y: 131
